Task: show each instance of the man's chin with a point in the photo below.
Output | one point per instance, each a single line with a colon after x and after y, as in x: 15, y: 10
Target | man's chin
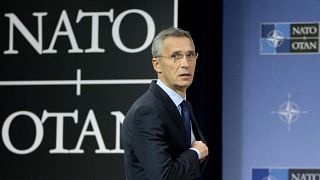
x: 184, y: 84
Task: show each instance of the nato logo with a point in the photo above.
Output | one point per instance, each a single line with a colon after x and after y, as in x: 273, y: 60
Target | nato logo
x: 285, y: 174
x: 289, y: 38
x: 289, y: 112
x: 269, y: 174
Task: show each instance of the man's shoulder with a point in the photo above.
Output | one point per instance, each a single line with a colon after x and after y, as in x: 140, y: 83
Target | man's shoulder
x: 146, y: 99
x: 154, y: 99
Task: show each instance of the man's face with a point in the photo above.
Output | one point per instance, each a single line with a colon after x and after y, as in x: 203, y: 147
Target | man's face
x: 176, y: 74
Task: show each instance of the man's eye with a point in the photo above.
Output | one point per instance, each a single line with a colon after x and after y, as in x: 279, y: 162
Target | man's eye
x: 174, y: 56
x: 177, y: 56
x: 190, y: 55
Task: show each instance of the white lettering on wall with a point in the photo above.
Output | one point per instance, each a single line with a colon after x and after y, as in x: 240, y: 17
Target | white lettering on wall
x: 65, y: 28
x: 95, y: 28
x: 6, y: 127
x: 60, y: 118
x: 15, y: 22
x: 69, y: 32
x: 116, y: 33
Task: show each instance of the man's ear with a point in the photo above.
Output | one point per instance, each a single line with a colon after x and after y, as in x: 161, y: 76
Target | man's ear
x: 156, y: 65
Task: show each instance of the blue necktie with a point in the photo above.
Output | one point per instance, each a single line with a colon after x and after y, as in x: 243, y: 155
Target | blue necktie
x: 186, y: 119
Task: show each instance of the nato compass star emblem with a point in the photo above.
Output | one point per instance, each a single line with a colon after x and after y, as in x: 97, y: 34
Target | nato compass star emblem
x: 275, y: 38
x: 289, y: 112
x: 269, y: 178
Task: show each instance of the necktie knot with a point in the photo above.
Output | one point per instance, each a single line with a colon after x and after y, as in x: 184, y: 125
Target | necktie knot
x: 186, y: 119
x: 183, y: 105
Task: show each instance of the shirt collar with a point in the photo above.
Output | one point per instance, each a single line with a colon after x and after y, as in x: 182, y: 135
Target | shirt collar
x: 175, y: 97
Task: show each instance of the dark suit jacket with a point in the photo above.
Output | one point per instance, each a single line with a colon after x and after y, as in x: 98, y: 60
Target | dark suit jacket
x: 155, y: 140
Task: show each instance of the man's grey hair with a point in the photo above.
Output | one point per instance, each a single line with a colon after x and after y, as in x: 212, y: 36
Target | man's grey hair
x: 156, y: 49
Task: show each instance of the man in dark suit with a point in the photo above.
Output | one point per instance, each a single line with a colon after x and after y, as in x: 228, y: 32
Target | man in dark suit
x: 160, y: 136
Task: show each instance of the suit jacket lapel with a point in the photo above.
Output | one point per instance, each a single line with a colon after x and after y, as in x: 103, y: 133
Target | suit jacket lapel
x: 195, y: 126
x: 197, y: 132
x: 170, y: 107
